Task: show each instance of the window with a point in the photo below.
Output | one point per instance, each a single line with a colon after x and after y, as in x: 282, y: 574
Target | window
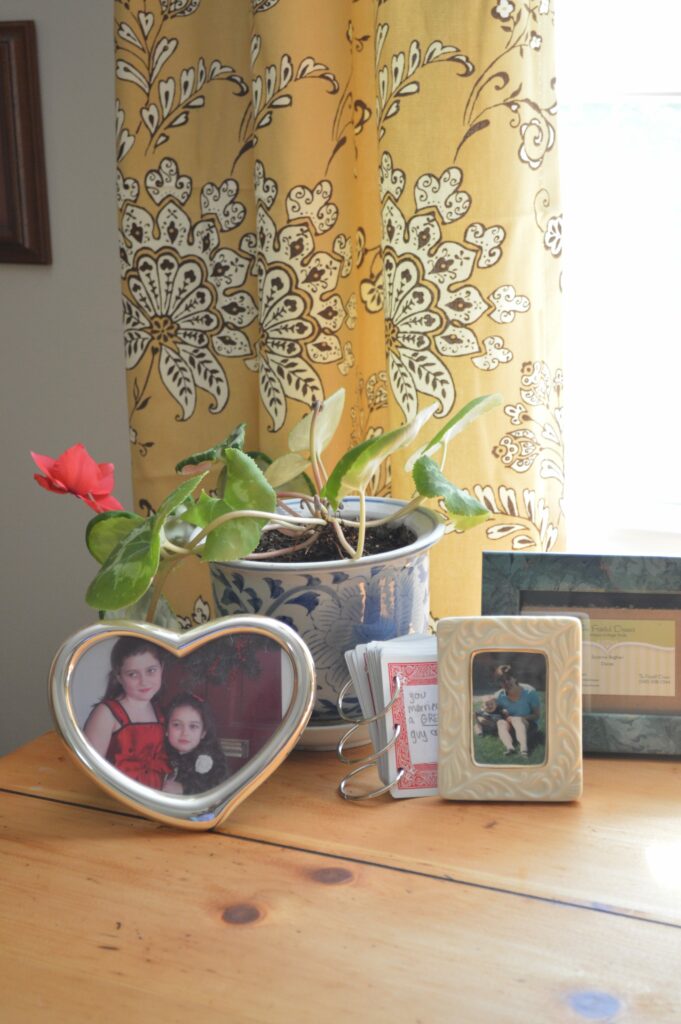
x: 619, y: 110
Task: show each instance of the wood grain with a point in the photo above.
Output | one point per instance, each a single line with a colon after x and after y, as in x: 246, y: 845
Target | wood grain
x: 617, y: 849
x: 114, y: 918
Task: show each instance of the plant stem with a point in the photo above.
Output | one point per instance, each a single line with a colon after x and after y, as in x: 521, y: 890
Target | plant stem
x: 392, y: 518
x: 291, y: 495
x: 172, y: 549
x: 347, y: 547
x: 314, y: 458
x: 291, y: 521
x: 362, y: 529
x: 273, y: 555
x: 164, y: 571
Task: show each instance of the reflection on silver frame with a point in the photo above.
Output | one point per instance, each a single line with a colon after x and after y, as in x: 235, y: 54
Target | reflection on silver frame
x: 201, y: 810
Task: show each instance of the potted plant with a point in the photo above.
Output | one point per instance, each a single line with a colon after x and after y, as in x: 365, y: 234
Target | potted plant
x: 282, y: 537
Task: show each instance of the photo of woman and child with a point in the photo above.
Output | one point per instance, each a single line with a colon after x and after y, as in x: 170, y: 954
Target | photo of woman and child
x: 509, y: 708
x: 174, y: 749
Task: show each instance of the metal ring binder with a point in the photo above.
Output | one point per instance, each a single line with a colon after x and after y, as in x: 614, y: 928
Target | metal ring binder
x: 375, y: 755
x: 373, y: 718
x: 342, y: 789
x: 370, y: 762
x: 339, y: 704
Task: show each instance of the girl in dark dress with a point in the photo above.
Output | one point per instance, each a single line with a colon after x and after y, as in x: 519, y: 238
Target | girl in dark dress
x: 196, y: 759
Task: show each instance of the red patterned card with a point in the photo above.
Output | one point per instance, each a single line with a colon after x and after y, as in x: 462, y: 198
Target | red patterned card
x: 416, y: 713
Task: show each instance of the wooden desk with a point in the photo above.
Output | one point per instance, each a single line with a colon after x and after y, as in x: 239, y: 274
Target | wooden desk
x: 307, y: 909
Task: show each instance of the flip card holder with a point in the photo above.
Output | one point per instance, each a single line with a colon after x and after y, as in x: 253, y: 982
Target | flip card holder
x: 363, y: 763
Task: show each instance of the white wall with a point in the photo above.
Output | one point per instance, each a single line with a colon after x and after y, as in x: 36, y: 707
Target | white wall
x: 61, y: 373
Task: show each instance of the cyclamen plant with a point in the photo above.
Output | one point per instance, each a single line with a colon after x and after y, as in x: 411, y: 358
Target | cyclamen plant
x: 137, y: 554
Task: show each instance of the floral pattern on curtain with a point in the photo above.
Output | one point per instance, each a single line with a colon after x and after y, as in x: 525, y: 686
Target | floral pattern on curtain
x: 360, y: 194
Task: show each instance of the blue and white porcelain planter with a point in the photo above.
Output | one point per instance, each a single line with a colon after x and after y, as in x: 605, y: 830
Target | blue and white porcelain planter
x: 336, y: 605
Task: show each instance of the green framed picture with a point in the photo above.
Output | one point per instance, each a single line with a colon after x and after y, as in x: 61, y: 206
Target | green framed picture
x: 630, y: 609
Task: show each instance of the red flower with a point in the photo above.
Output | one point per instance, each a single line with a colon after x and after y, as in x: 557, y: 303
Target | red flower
x: 76, y: 472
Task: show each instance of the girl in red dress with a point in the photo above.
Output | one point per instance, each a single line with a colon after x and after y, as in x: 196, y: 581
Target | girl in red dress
x: 127, y: 727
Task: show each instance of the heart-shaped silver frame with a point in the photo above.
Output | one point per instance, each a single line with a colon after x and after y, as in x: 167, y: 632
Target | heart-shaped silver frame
x: 203, y: 810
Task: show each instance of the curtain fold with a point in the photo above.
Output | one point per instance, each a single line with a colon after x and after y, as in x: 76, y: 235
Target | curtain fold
x: 362, y: 195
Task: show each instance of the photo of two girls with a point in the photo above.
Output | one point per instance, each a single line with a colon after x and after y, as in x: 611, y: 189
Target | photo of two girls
x: 179, y: 725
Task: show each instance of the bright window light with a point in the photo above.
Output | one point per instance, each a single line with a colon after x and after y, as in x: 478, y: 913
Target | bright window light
x: 619, y: 110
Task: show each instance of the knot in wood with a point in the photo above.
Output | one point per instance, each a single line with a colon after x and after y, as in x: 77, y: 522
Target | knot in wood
x: 331, y: 876
x: 241, y: 913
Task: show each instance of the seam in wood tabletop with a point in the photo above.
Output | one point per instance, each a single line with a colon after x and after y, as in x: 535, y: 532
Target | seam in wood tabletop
x: 440, y: 877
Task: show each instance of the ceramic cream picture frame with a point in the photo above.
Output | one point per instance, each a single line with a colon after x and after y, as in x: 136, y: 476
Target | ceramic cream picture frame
x: 473, y: 655
x: 250, y: 677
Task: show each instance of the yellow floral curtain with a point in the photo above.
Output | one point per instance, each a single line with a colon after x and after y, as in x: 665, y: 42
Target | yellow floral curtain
x: 359, y: 193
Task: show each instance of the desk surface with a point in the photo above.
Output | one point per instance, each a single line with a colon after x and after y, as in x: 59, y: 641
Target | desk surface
x: 304, y: 907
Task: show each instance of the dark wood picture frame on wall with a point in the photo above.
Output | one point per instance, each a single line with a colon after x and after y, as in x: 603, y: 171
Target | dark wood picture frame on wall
x: 24, y: 223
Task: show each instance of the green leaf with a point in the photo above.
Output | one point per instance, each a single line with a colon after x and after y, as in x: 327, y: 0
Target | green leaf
x: 235, y: 440
x: 206, y: 509
x: 354, y: 470
x: 128, y: 571
x: 131, y: 565
x: 300, y: 483
x: 476, y: 407
x: 231, y: 540
x: 328, y: 418
x: 107, y: 530
x: 245, y: 488
x: 285, y: 469
x: 463, y: 511
x: 176, y: 498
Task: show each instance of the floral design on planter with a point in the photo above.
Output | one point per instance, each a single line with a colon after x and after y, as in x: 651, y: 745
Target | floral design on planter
x: 333, y: 611
x: 335, y: 606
